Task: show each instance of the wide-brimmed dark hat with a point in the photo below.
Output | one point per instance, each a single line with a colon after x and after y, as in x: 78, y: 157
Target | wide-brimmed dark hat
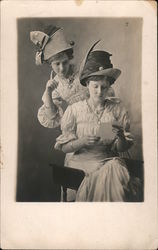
x: 97, y: 63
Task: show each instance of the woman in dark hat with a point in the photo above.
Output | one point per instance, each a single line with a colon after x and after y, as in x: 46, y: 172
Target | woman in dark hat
x: 64, y: 86
x: 94, y: 133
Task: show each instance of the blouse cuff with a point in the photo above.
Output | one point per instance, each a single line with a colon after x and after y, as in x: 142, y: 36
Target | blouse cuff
x: 128, y: 136
x: 53, y: 115
x: 62, y: 139
x: 129, y: 140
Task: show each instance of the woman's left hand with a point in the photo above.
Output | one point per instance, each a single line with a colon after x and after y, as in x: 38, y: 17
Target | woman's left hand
x: 123, y: 143
x: 118, y: 129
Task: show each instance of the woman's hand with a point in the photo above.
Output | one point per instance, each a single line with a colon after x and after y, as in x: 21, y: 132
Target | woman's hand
x: 96, y: 141
x: 51, y: 85
x: 124, y: 139
x: 85, y: 142
x: 91, y: 140
x: 51, y: 108
x: 118, y: 129
x: 75, y: 145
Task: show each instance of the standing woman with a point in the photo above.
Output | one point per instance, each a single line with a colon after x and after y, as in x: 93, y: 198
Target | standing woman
x: 63, y: 87
x: 63, y: 84
x: 92, y: 149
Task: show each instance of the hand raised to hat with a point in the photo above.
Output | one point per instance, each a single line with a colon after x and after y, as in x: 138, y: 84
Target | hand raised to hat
x: 51, y: 85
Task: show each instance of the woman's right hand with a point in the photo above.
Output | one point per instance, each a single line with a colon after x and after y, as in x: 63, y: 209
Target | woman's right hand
x: 47, y: 96
x: 51, y: 85
x: 90, y: 140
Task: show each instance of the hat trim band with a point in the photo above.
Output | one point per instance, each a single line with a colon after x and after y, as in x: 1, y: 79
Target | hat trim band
x: 111, y: 72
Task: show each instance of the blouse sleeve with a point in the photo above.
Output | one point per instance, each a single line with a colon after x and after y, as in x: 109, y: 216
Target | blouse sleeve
x: 47, y: 120
x: 68, y: 128
x: 122, y: 118
x: 44, y: 117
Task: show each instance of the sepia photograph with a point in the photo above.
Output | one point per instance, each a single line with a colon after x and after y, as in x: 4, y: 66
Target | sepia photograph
x: 78, y: 125
x: 79, y: 89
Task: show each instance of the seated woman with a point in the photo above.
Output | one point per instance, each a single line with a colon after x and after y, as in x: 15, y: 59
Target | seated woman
x: 107, y: 177
x: 64, y: 87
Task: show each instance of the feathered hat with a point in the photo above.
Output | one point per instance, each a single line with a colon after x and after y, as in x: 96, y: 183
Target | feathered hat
x: 97, y: 63
x: 49, y: 46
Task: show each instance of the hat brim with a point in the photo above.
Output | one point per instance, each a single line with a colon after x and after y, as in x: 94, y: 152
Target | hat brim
x: 56, y: 51
x: 50, y: 59
x: 111, y: 72
x: 56, y: 44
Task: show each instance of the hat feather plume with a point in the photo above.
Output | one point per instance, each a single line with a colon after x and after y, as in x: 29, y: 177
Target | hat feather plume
x: 85, y: 59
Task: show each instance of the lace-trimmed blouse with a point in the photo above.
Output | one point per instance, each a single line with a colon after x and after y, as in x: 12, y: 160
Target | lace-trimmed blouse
x: 67, y: 92
x: 78, y: 120
x: 106, y: 174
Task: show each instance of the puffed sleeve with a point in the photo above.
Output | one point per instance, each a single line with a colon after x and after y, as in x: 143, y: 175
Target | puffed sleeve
x: 68, y: 128
x: 47, y: 120
x: 122, y: 117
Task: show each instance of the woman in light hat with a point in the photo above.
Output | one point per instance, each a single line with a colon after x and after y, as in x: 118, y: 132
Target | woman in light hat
x: 64, y: 88
x: 94, y: 132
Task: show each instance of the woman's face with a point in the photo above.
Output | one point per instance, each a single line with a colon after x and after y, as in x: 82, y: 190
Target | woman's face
x: 61, y: 65
x: 98, y: 89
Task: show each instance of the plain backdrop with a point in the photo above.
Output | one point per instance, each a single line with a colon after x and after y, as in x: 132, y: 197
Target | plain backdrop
x: 120, y: 36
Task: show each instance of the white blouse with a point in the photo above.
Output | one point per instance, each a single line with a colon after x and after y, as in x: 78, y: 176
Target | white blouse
x: 68, y: 91
x: 78, y: 120
x: 106, y: 173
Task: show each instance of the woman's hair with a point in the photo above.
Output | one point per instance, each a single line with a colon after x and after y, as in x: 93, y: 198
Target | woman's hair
x: 68, y: 52
x: 111, y: 80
